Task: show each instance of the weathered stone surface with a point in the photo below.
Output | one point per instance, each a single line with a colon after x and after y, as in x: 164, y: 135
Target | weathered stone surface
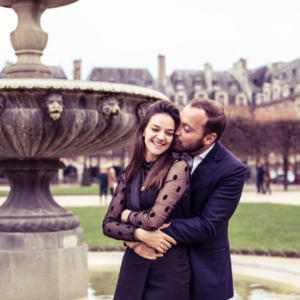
x: 49, y: 3
x: 91, y: 121
x: 37, y: 266
x: 30, y: 206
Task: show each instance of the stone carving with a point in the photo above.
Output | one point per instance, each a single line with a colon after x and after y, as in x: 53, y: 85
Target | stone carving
x: 109, y: 108
x: 141, y: 109
x: 1, y: 105
x: 53, y: 105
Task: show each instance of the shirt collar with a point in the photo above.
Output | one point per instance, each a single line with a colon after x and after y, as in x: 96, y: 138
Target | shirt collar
x: 203, y: 155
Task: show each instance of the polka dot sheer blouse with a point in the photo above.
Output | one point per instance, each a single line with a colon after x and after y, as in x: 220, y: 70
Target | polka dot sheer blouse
x: 176, y: 185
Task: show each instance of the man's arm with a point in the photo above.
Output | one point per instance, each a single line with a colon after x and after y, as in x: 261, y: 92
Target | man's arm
x: 216, y: 213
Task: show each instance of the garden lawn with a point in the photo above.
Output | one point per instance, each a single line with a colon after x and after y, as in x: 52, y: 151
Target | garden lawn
x: 252, y: 225
x: 265, y: 225
x: 69, y: 190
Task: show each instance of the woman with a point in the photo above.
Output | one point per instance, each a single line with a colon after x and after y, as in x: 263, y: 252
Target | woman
x: 155, y: 187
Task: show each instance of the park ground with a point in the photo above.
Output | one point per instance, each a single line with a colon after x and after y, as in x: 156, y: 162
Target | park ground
x: 267, y: 221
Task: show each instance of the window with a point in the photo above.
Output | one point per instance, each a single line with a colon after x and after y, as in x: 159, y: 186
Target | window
x: 242, y: 101
x: 233, y: 86
x: 267, y: 113
x: 215, y: 83
x: 276, y: 111
x: 221, y: 99
x: 180, y: 101
x: 294, y: 72
x: 286, y: 109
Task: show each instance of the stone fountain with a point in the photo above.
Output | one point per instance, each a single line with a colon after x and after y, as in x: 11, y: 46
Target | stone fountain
x: 42, y: 254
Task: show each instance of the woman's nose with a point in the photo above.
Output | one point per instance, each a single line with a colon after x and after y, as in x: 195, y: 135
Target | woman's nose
x: 161, y: 136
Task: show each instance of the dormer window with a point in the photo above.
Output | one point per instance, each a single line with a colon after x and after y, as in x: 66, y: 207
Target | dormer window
x: 131, y: 81
x: 233, y: 86
x: 148, y: 83
x: 111, y: 79
x: 180, y: 101
x: 179, y: 85
x: 215, y: 83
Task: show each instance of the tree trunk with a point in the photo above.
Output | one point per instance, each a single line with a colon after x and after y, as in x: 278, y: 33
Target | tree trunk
x: 285, y: 169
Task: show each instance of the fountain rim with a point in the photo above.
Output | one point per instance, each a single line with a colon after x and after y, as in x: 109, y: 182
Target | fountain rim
x: 49, y: 4
x: 78, y: 85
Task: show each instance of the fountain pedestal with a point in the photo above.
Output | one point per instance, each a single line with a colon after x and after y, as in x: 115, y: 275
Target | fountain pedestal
x: 43, y: 265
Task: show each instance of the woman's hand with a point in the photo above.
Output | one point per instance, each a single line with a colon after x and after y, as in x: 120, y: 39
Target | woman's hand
x: 146, y: 251
x: 131, y: 245
x: 155, y: 239
x: 125, y: 215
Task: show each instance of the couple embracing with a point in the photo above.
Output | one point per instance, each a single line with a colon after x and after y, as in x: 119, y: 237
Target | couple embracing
x: 172, y: 206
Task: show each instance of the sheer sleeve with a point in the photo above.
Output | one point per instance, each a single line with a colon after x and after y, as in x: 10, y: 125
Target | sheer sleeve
x: 175, y: 186
x: 112, y: 225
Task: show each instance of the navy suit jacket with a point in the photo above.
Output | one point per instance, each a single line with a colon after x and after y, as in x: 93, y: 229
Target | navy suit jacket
x: 217, y: 184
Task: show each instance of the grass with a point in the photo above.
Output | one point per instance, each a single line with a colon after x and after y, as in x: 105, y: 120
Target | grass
x: 69, y: 190
x: 253, y: 225
x: 91, y: 219
x: 265, y: 225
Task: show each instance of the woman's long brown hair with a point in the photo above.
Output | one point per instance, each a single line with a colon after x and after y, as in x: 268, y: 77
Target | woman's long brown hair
x: 160, y: 169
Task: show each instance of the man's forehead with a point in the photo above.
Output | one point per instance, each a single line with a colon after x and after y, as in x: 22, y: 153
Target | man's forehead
x: 193, y: 115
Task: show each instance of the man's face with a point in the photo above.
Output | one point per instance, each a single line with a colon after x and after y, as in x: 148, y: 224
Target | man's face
x: 189, y: 136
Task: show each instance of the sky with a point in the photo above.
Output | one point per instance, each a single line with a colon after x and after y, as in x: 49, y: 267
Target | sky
x: 190, y: 33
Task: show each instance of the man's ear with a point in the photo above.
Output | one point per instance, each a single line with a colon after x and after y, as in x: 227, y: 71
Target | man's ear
x: 210, y: 139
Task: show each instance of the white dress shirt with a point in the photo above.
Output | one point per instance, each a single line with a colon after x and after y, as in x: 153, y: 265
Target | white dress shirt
x: 198, y: 159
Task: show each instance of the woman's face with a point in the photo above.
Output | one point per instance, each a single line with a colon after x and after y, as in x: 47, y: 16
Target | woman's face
x: 158, y: 135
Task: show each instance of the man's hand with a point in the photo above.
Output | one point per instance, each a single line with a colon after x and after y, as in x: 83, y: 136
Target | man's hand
x: 145, y: 251
x: 155, y: 239
x: 125, y: 215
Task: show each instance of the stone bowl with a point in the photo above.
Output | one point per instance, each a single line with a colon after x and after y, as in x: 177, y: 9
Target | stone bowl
x: 42, y: 120
x: 95, y: 117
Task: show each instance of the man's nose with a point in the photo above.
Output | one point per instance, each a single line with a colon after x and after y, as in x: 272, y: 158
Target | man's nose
x: 177, y: 132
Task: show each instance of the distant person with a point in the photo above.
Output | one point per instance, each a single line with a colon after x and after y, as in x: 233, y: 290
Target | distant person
x: 260, y: 178
x: 268, y: 181
x: 111, y: 179
x: 103, y: 178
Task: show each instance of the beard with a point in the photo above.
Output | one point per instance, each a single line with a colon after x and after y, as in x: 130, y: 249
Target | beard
x: 179, y: 147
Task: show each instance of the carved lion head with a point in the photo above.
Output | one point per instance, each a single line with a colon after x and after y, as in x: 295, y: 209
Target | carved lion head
x: 1, y: 105
x: 53, y: 105
x: 109, y: 108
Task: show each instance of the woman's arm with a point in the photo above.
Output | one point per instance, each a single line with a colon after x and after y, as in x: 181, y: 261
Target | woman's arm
x: 112, y: 225
x: 176, y: 184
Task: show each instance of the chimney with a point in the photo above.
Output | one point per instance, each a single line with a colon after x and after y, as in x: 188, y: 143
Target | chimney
x: 162, y: 69
x: 77, y: 70
x: 208, y: 76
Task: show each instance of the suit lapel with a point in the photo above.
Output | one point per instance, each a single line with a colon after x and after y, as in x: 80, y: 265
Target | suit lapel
x: 135, y: 190
x: 207, y: 167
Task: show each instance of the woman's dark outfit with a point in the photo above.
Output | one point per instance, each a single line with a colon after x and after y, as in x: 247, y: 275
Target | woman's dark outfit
x: 168, y: 277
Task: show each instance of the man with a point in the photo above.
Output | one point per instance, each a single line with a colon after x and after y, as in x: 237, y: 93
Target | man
x: 217, y: 183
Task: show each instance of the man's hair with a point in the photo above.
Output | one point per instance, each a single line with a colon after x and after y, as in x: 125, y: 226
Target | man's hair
x: 216, y: 122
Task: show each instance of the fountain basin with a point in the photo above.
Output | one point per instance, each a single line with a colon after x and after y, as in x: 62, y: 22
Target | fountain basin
x: 84, y: 127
